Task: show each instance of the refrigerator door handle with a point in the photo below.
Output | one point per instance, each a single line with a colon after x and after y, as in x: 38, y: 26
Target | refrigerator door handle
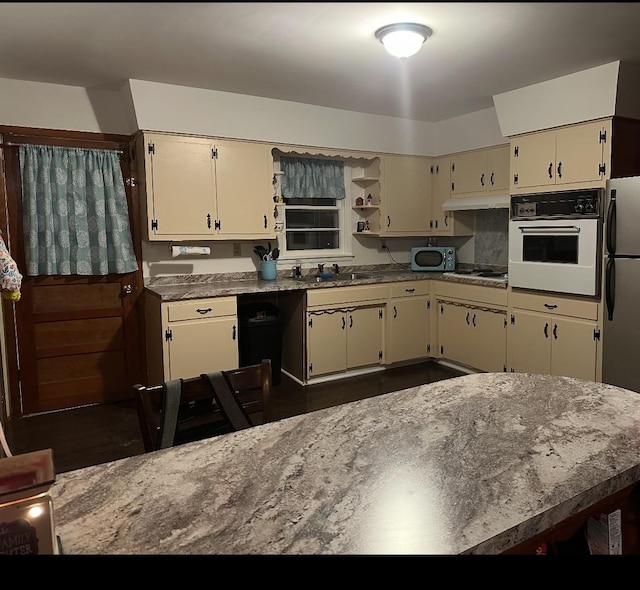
x: 610, y: 286
x: 611, y: 224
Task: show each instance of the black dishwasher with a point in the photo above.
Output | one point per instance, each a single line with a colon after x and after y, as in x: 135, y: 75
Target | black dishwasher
x: 260, y: 336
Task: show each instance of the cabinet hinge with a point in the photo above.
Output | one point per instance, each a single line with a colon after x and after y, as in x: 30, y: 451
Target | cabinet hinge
x: 380, y: 314
x: 602, y: 168
x: 216, y: 225
x: 441, y: 309
x: 428, y: 348
x: 310, y: 322
x: 131, y: 181
x: 379, y: 355
x: 441, y: 349
x: 154, y: 224
x: 453, y: 166
x: 453, y: 185
x: 603, y: 137
x: 504, y: 368
x: 515, y: 179
x: 513, y: 319
x: 214, y: 153
x: 311, y: 368
x: 428, y: 303
x: 168, y: 335
x: 596, y: 334
x: 515, y: 151
x: 437, y: 169
x: 505, y: 322
x: 151, y: 148
x: 431, y: 170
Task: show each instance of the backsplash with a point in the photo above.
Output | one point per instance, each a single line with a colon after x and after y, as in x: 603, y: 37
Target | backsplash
x: 491, y: 237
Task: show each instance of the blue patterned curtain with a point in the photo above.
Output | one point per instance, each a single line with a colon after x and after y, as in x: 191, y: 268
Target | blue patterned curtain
x: 309, y: 178
x: 75, y: 213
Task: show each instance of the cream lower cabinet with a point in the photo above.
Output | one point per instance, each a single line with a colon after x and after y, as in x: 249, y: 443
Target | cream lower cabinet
x: 408, y: 321
x: 553, y: 335
x: 471, y: 324
x: 187, y: 338
x: 345, y: 329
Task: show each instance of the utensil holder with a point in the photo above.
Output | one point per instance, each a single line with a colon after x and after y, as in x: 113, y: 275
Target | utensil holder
x: 269, y: 270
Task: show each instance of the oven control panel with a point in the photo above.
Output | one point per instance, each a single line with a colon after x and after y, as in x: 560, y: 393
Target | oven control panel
x: 567, y: 204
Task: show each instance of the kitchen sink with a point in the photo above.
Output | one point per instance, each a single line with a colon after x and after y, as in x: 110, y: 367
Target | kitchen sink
x: 343, y: 276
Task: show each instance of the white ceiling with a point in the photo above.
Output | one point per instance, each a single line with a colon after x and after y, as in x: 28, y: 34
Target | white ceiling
x: 320, y: 53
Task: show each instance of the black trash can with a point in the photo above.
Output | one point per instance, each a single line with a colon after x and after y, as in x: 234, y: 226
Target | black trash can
x: 260, y: 336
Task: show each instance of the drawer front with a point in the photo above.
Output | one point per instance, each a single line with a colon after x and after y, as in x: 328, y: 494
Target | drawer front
x: 409, y: 288
x: 345, y: 295
x: 201, y: 309
x: 477, y: 293
x: 555, y: 304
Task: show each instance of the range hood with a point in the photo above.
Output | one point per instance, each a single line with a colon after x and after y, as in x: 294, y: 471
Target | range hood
x: 485, y: 202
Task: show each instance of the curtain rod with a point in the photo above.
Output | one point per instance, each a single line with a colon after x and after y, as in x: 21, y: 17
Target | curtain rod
x: 10, y: 144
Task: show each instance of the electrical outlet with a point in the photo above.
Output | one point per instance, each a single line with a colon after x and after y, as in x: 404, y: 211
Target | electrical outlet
x: 237, y: 249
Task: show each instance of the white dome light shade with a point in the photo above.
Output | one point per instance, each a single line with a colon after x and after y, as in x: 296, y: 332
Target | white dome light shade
x: 403, y: 39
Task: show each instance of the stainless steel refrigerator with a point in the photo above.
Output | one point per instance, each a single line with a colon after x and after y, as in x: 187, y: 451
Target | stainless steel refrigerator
x: 621, y: 325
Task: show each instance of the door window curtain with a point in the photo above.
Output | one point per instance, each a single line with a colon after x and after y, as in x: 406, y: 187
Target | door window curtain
x: 75, y: 213
x: 309, y: 178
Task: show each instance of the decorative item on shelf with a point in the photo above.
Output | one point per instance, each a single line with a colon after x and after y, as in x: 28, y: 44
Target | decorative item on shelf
x: 369, y: 199
x: 366, y: 225
x: 360, y: 226
x: 359, y: 202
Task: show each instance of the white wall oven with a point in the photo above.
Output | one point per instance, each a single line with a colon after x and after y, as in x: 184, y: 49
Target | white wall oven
x: 555, y: 241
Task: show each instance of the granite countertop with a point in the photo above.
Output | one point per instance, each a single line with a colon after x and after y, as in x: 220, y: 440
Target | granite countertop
x: 182, y: 287
x: 474, y: 464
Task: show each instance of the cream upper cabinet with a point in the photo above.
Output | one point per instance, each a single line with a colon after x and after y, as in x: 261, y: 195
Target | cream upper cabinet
x: 553, y: 335
x: 446, y: 223
x: 187, y: 338
x: 408, y: 321
x: 405, y: 196
x: 202, y: 188
x: 484, y: 171
x: 576, y: 156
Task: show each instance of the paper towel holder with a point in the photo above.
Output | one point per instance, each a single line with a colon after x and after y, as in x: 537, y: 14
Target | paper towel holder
x: 183, y: 250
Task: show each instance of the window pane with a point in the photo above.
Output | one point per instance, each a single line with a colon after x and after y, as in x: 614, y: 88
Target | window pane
x: 313, y: 240
x: 307, y: 219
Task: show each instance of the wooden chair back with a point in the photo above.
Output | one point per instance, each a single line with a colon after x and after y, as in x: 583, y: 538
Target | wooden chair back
x: 200, y: 411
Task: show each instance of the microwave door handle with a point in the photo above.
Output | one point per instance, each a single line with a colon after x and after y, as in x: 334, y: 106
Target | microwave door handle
x: 545, y: 229
x: 611, y: 224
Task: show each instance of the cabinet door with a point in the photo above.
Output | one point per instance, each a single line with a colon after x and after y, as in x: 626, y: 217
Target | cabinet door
x: 529, y: 343
x: 201, y: 346
x: 454, y: 332
x: 498, y: 165
x: 533, y: 160
x: 409, y: 329
x: 579, y: 154
x: 406, y: 196
x: 469, y: 173
x: 244, y: 173
x: 326, y: 343
x: 364, y: 336
x: 573, y: 348
x: 440, y: 192
x: 180, y: 187
x: 488, y: 344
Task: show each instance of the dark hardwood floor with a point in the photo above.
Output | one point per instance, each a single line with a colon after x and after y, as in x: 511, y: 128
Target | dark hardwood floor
x: 91, y: 435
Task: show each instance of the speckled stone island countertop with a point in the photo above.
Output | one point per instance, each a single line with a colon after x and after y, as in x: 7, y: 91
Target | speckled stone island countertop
x: 179, y: 287
x: 470, y: 465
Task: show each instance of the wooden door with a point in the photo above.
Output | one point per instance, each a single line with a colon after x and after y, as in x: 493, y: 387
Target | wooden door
x: 71, y: 340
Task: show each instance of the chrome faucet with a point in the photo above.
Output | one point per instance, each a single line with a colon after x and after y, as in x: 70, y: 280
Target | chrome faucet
x: 336, y: 269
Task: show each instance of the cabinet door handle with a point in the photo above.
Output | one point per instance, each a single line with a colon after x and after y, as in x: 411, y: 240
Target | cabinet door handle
x: 203, y: 311
x: 555, y: 331
x: 388, y: 221
x: 559, y: 169
x: 550, y: 170
x: 343, y: 323
x: 467, y: 318
x: 395, y: 311
x: 549, y: 306
x: 546, y: 330
x: 350, y: 321
x: 265, y: 222
x: 233, y: 333
x: 482, y: 179
x: 473, y: 321
x: 492, y: 183
x: 409, y: 290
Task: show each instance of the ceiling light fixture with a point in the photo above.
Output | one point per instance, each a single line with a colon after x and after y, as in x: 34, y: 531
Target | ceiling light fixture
x: 403, y: 39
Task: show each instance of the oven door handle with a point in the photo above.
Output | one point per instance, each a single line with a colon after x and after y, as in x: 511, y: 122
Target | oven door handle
x: 545, y: 229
